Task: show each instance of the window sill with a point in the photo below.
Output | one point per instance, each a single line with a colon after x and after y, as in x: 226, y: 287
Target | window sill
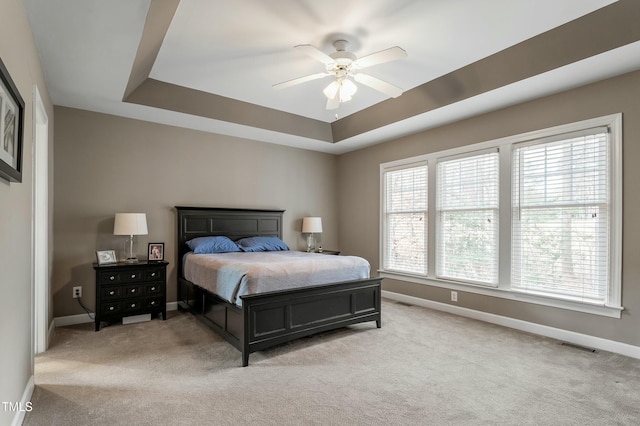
x: 606, y: 311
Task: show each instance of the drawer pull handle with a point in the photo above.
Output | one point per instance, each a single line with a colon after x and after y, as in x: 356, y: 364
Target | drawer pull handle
x: 111, y: 308
x: 111, y: 293
x: 153, y: 288
x: 133, y: 305
x: 112, y: 277
x: 153, y: 274
x: 133, y: 290
x: 133, y: 275
x: 153, y: 303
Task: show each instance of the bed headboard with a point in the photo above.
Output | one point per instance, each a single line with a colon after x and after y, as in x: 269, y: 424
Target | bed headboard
x: 234, y: 223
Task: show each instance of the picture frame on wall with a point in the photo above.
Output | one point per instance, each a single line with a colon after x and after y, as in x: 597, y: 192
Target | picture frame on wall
x: 11, y: 128
x: 156, y: 252
x: 106, y: 257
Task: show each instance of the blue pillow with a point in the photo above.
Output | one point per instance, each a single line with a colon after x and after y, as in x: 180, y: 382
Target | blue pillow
x: 262, y: 244
x: 204, y: 245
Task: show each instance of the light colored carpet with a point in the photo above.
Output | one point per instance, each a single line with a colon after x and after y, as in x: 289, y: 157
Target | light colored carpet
x: 421, y: 368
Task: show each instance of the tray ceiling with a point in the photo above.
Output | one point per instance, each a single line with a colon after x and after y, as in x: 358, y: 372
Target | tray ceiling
x: 210, y: 64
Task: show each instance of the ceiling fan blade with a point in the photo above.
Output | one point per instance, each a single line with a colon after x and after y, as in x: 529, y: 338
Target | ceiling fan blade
x: 300, y: 80
x: 379, y: 85
x: 387, y: 55
x: 315, y: 53
x: 334, y: 103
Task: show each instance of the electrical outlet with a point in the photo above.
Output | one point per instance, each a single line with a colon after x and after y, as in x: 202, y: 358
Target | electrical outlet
x: 454, y: 296
x: 77, y: 292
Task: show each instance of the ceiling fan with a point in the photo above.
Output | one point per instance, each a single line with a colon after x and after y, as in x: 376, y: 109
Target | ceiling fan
x: 344, y: 65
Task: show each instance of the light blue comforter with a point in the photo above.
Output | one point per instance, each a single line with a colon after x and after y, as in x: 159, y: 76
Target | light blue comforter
x: 231, y: 275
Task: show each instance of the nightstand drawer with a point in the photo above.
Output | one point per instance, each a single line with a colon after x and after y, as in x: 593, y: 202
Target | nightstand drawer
x: 153, y: 289
x: 132, y: 305
x: 109, y: 277
x: 155, y: 274
x: 111, y: 308
x: 132, y: 276
x: 133, y: 290
x: 112, y: 293
x: 153, y: 302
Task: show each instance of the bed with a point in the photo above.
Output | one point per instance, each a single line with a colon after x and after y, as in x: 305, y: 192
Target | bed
x: 257, y: 321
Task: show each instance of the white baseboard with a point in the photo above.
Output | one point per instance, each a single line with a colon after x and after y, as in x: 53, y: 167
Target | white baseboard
x: 26, y: 397
x: 84, y: 318
x: 71, y: 320
x: 584, y: 340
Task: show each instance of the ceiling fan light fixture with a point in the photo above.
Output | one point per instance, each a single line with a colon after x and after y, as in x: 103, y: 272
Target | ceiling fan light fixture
x: 331, y: 90
x: 343, y: 64
x: 347, y: 89
x: 343, y: 88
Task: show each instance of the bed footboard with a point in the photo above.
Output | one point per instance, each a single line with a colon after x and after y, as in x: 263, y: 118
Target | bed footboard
x: 277, y: 317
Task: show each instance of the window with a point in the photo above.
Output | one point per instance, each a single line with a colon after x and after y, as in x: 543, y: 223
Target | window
x: 535, y: 217
x: 561, y: 217
x: 405, y: 216
x: 467, y: 238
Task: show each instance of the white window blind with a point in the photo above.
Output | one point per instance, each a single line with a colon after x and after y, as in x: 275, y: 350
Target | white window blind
x: 535, y: 217
x: 561, y: 215
x: 405, y: 216
x: 468, y: 203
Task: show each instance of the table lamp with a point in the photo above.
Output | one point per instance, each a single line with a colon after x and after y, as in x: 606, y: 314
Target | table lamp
x: 130, y: 224
x: 311, y: 226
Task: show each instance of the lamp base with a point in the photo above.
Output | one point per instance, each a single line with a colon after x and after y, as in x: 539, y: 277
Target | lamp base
x: 128, y: 249
x: 311, y: 243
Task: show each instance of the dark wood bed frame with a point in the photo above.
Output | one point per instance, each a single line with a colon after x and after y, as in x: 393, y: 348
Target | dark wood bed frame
x: 273, y: 318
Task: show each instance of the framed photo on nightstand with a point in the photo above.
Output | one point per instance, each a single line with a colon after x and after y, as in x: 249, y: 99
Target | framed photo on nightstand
x: 106, y: 257
x: 156, y: 252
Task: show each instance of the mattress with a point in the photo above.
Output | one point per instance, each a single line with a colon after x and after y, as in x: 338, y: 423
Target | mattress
x: 231, y: 275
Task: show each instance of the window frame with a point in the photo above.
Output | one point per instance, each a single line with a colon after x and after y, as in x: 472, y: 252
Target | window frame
x: 612, y: 308
x: 565, y: 174
x: 439, y: 272
x: 385, y: 213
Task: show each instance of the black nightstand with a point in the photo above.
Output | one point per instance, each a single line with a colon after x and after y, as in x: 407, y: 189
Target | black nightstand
x: 125, y: 289
x: 328, y: 252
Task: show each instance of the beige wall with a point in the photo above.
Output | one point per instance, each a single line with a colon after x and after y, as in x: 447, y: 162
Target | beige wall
x: 17, y: 50
x: 107, y: 164
x: 359, y: 197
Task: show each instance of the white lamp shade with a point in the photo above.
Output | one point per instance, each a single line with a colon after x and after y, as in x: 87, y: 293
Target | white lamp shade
x: 331, y: 90
x: 311, y: 225
x: 347, y: 90
x: 130, y: 224
x: 344, y: 88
